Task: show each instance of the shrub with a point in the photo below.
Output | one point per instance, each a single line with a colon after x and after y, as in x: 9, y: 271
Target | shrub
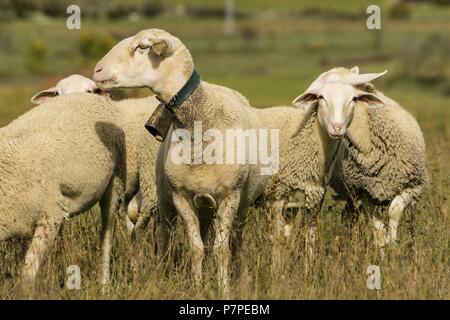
x: 153, y: 8
x: 55, y: 8
x: 428, y: 60
x: 248, y: 33
x: 399, y: 10
x: 35, y: 57
x: 95, y: 46
x: 19, y: 8
x: 122, y: 10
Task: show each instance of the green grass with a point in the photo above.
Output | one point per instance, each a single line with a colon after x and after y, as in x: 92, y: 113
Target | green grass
x: 271, y: 68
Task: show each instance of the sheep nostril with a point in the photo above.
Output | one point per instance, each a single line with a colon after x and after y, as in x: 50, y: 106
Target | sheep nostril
x: 337, y: 127
x: 99, y: 69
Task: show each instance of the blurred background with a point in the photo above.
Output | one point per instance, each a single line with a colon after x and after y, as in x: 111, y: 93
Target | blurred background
x: 270, y: 50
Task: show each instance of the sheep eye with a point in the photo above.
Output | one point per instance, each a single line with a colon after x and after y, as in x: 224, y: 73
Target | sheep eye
x: 143, y: 46
x: 320, y: 97
x: 355, y: 99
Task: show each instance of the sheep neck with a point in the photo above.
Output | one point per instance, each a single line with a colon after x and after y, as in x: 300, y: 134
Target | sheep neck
x: 330, y: 150
x: 194, y: 108
x: 176, y: 74
x: 319, y: 152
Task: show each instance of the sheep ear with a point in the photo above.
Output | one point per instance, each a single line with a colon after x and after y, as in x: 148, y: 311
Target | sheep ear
x: 161, y: 47
x: 305, y: 100
x: 372, y: 101
x: 44, y: 95
x: 355, y: 69
x: 356, y: 79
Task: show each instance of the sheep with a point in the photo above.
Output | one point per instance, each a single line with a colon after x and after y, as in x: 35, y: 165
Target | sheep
x: 86, y: 149
x: 58, y: 160
x: 382, y: 158
x: 156, y: 59
x: 306, y: 159
x: 382, y: 162
x: 142, y: 149
x: 77, y: 83
x: 71, y: 84
x: 309, y: 146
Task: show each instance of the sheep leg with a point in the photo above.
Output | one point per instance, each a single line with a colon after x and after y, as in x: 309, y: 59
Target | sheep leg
x: 133, y: 236
x: 238, y: 236
x: 311, y: 218
x: 192, y: 223
x: 223, y: 223
x: 310, y: 240
x: 139, y: 213
x: 131, y: 218
x: 130, y: 227
x: 109, y: 205
x: 380, y: 233
x: 138, y: 233
x: 47, y: 229
x: 143, y: 220
x: 398, y: 204
x: 278, y: 234
x: 166, y: 216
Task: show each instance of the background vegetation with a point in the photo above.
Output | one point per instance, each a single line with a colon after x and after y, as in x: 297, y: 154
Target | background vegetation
x: 277, y: 49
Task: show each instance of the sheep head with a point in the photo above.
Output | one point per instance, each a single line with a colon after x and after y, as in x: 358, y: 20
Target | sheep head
x: 70, y: 84
x: 152, y: 58
x: 335, y: 101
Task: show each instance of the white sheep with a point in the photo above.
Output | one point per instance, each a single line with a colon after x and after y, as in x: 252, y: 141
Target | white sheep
x: 142, y: 151
x: 73, y: 151
x: 382, y: 158
x: 306, y: 159
x: 71, y: 84
x: 135, y: 221
x: 58, y: 160
x: 157, y: 60
x: 310, y: 142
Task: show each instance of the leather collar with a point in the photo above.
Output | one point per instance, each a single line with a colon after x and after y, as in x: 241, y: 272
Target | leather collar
x: 185, y: 92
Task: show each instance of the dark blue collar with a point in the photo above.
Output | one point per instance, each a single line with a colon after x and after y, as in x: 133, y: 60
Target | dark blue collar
x: 185, y: 92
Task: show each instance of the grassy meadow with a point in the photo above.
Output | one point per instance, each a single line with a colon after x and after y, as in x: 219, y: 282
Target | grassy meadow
x: 270, y: 59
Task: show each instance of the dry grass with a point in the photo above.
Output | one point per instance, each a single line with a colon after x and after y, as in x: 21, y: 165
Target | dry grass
x: 416, y: 268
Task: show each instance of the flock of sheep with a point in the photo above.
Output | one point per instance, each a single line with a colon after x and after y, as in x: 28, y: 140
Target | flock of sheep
x: 79, y: 148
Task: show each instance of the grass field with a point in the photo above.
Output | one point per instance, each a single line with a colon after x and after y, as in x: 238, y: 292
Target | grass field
x: 270, y: 60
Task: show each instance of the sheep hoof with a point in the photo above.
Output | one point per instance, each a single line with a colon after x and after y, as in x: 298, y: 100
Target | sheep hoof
x: 204, y: 200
